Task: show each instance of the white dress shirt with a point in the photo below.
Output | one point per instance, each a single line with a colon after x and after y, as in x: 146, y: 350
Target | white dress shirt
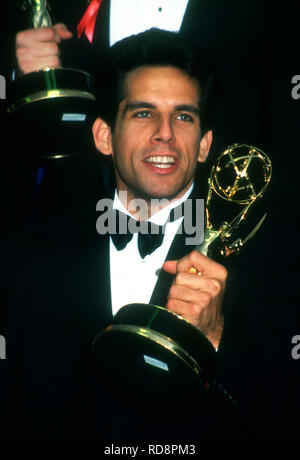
x: 133, y: 278
x: 140, y: 15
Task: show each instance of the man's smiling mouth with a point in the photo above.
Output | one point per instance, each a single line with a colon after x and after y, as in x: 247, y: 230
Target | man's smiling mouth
x: 162, y: 162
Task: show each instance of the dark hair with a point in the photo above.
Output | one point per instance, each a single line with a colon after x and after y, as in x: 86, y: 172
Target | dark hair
x: 155, y: 47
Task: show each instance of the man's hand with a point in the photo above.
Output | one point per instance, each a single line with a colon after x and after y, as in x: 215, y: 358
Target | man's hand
x: 38, y: 48
x: 196, y: 297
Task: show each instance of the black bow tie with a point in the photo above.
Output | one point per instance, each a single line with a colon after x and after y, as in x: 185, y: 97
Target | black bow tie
x: 150, y: 235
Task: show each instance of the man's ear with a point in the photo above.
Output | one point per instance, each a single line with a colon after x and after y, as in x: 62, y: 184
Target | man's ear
x: 102, y: 136
x: 205, y: 144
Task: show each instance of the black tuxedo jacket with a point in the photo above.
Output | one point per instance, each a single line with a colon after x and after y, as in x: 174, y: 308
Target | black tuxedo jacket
x: 54, y: 301
x: 55, y: 298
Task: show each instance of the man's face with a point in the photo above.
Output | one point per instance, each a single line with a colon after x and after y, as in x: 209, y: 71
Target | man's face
x: 157, y: 138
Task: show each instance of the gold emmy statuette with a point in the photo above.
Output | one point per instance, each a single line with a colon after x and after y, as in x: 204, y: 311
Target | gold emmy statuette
x: 57, y: 103
x: 240, y: 176
x: 157, y: 358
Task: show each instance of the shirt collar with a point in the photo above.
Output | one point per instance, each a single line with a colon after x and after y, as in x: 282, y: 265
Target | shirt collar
x: 160, y: 217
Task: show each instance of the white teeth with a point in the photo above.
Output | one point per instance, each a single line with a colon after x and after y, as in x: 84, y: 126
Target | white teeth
x: 157, y: 165
x: 161, y: 162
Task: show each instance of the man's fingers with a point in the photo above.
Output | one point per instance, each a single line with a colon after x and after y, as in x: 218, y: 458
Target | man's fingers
x: 198, y: 298
x: 202, y: 283
x: 180, y: 307
x: 40, y: 35
x: 188, y: 310
x: 36, y: 50
x: 52, y: 62
x: 201, y: 263
x: 38, y: 57
x: 194, y: 259
x: 43, y: 34
x: 183, y: 293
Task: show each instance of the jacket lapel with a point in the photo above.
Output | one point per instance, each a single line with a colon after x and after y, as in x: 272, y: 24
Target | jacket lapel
x: 178, y: 249
x: 90, y: 271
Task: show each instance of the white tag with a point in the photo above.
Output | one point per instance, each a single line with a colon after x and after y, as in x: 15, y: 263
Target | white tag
x: 156, y: 363
x: 73, y: 117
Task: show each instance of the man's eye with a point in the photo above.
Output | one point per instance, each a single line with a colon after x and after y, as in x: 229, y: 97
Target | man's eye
x: 184, y: 117
x: 143, y: 114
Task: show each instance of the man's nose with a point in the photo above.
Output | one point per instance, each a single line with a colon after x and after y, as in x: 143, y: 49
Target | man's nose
x: 164, y: 131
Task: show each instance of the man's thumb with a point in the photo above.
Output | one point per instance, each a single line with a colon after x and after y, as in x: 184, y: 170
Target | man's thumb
x: 170, y: 267
x: 62, y: 31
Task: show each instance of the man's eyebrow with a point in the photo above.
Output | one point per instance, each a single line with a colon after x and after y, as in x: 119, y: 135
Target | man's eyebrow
x: 147, y: 105
x: 187, y: 108
x: 137, y: 105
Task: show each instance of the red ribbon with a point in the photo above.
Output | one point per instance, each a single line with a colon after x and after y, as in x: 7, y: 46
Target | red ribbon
x: 88, y: 21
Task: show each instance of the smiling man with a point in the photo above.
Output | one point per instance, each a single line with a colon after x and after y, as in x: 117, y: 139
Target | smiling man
x: 157, y: 138
x: 159, y: 132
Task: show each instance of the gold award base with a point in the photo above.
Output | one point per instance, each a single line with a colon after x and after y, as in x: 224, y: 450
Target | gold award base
x: 141, y: 360
x: 53, y: 110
